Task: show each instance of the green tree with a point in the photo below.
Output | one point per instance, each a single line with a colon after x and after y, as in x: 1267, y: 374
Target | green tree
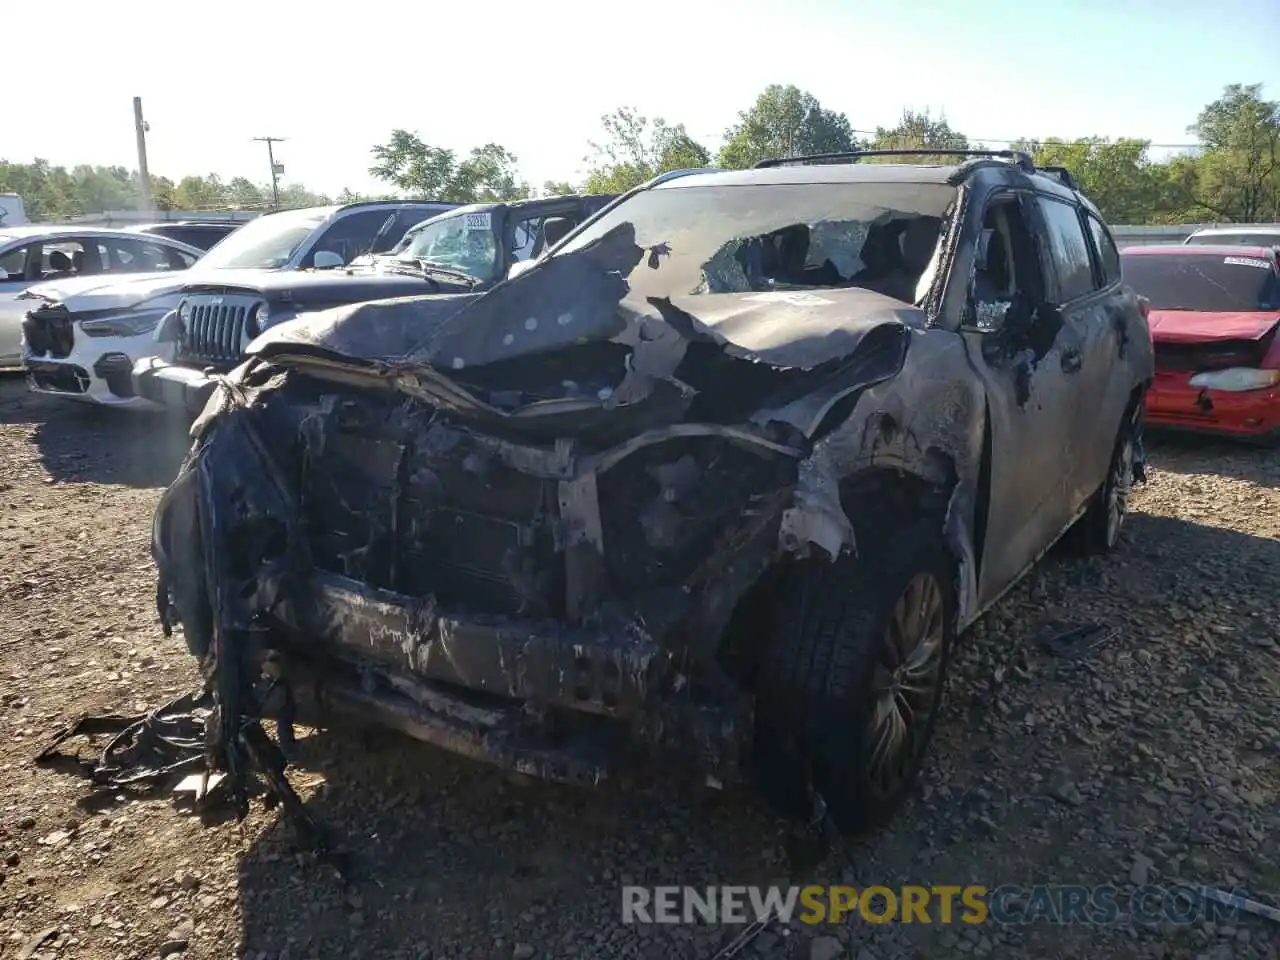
x: 295, y: 196
x: 412, y: 165
x: 558, y: 188
x: 636, y: 148
x: 163, y: 192
x: 200, y: 193
x: 243, y: 194
x: 785, y: 121
x: 490, y: 173
x: 1238, y: 175
x: 1117, y: 175
x: 54, y: 193
x: 918, y: 130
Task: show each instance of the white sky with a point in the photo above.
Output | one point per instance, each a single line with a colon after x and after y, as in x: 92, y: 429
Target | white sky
x: 535, y: 77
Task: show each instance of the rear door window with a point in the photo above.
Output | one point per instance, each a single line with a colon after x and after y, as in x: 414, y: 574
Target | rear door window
x: 141, y: 256
x: 62, y: 258
x: 1108, y: 255
x: 1068, y: 250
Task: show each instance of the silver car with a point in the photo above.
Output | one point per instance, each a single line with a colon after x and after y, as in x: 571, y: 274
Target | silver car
x: 34, y: 254
x: 1249, y: 235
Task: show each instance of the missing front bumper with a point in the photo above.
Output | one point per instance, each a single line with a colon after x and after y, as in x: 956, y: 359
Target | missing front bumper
x: 541, y: 698
x: 608, y: 671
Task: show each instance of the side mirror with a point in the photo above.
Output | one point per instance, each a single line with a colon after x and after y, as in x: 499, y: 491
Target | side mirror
x: 327, y: 260
x: 555, y: 229
x: 519, y: 267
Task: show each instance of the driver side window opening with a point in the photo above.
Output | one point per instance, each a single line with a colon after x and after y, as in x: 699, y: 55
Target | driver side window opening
x: 1006, y: 268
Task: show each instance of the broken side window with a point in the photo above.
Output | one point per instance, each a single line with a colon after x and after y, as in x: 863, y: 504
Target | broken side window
x: 1006, y: 266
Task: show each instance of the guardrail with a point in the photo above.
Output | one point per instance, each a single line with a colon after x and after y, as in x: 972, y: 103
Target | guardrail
x: 122, y: 218
x: 1129, y: 235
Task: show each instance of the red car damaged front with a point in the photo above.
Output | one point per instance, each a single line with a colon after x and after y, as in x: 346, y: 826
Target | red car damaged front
x: 1215, y: 313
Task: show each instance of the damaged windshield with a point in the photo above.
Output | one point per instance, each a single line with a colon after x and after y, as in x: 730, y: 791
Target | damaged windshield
x: 1203, y: 282
x: 765, y: 237
x: 463, y: 242
x: 266, y: 243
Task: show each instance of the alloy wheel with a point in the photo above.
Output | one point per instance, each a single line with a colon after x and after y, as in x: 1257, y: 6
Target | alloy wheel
x: 906, y: 684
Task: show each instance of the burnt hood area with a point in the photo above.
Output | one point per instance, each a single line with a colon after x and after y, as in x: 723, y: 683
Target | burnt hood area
x: 570, y: 343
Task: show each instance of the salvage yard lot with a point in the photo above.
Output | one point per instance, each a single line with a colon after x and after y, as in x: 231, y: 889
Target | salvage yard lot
x: 1156, y: 754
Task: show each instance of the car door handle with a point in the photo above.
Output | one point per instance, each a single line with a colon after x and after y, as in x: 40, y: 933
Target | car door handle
x: 1070, y: 361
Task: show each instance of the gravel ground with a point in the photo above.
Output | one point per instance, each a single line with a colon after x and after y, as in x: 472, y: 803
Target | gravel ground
x: 1155, y: 758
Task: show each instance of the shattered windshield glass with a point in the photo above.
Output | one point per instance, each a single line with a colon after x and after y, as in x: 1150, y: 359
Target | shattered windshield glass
x: 266, y: 243
x: 463, y: 242
x: 1204, y: 282
x: 767, y: 237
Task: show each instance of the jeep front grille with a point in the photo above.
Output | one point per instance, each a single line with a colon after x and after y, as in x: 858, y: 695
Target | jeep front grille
x: 217, y: 328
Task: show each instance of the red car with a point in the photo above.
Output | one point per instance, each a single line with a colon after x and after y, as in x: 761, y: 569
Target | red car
x: 1214, y: 315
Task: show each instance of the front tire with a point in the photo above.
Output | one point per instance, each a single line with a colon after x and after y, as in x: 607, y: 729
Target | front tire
x: 1102, y: 523
x: 852, y: 677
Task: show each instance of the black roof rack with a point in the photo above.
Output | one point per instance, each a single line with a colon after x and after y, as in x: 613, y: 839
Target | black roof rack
x: 1017, y: 156
x: 1063, y: 175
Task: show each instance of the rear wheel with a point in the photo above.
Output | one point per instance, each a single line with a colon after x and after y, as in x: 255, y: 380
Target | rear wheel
x: 853, y: 676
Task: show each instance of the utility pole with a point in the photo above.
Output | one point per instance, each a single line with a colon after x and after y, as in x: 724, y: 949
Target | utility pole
x: 144, y: 175
x: 276, y: 168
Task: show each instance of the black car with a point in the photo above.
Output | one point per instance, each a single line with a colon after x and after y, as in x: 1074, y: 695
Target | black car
x: 464, y: 251
x: 201, y: 234
x: 722, y: 477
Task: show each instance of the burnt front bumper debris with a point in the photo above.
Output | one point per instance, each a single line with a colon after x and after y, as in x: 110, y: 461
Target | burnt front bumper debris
x: 558, y: 702
x: 601, y: 671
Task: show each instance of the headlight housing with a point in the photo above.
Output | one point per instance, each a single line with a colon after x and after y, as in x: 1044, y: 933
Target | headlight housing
x: 1236, y: 379
x: 170, y: 328
x: 259, y: 319
x: 126, y: 325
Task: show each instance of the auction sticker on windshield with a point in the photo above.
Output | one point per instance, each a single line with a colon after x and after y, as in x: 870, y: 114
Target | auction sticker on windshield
x: 1238, y: 261
x: 478, y: 221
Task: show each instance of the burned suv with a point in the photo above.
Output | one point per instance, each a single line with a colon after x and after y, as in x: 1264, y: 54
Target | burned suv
x: 721, y: 478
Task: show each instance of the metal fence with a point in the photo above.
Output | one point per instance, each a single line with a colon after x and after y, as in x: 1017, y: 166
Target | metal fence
x: 125, y: 218
x: 1131, y: 235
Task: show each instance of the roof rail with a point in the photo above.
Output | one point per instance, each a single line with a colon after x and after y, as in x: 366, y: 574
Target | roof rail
x: 1017, y: 156
x: 1063, y: 174
x: 677, y: 174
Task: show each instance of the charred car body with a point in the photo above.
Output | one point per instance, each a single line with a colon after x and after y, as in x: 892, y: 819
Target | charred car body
x: 721, y: 477
x: 465, y: 251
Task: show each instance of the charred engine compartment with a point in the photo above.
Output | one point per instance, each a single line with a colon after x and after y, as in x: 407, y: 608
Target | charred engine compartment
x: 508, y: 599
x: 394, y: 495
x: 401, y: 503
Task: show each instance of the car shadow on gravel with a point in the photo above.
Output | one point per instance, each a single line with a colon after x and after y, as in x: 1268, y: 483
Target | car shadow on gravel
x: 1195, y: 453
x: 80, y: 443
x: 447, y: 855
